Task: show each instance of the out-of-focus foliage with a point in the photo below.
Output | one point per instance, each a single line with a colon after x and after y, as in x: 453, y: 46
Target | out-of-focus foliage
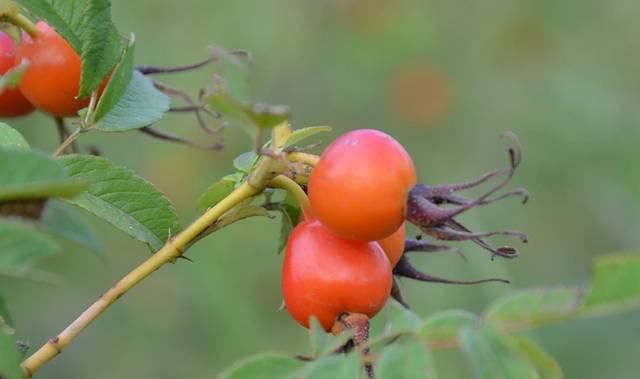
x: 445, y: 78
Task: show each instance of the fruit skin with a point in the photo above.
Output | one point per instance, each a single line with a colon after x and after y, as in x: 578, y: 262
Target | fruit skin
x: 359, y: 186
x: 52, y: 80
x: 393, y: 245
x: 12, y: 102
x: 324, y: 275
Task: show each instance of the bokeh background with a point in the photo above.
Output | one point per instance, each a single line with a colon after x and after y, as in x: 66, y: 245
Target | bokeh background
x: 444, y: 77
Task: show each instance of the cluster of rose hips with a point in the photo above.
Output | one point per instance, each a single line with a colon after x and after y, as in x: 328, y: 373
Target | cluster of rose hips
x: 51, y: 80
x: 342, y: 257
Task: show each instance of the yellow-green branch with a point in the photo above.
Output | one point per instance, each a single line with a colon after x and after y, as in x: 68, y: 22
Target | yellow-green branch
x: 171, y: 250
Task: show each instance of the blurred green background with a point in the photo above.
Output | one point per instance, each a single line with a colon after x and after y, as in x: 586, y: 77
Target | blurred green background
x: 445, y: 78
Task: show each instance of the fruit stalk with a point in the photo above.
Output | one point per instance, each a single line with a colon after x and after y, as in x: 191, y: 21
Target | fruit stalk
x: 174, y: 248
x: 22, y: 22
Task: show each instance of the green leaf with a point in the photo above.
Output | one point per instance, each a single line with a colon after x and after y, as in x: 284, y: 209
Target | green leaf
x: 290, y: 211
x: 323, y: 343
x: 232, y: 73
x: 615, y: 284
x: 246, y: 161
x: 545, y: 364
x: 61, y: 221
x: 118, y: 82
x: 11, y: 138
x: 66, y: 17
x: 238, y: 213
x: 30, y: 174
x: 102, y: 45
x: 491, y: 357
x: 300, y: 135
x: 141, y: 105
x: 333, y: 367
x: 11, y: 78
x: 21, y: 246
x: 87, y: 26
x: 535, y: 306
x: 402, y: 320
x: 223, y: 103
x: 266, y: 116
x: 219, y: 190
x: 10, y: 358
x: 319, y: 338
x: 407, y: 359
x: 5, y: 316
x: 123, y: 199
x: 444, y: 327
x: 272, y: 366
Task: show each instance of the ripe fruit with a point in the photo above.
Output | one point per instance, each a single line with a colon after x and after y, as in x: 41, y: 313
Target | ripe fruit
x: 324, y: 275
x: 359, y: 187
x: 12, y: 102
x: 52, y: 80
x: 393, y: 245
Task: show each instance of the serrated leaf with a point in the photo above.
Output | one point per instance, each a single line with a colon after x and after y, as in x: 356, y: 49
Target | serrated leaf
x: 123, y: 199
x: 87, y: 26
x: 272, y: 366
x: 10, y: 358
x: 534, y: 307
x: 66, y: 17
x: 333, y: 367
x: 444, y: 327
x: 21, y: 246
x: 11, y: 138
x: 118, y: 82
x: 245, y: 161
x: 140, y: 105
x: 11, y: 78
x: 300, y: 135
x: 401, y: 319
x: 219, y: 190
x: 407, y: 359
x: 61, y: 221
x: 615, y: 284
x: 101, y: 45
x: 545, y: 364
x: 490, y: 356
x: 30, y: 174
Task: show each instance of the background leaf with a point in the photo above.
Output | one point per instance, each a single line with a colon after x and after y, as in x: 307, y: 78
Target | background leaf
x: 63, y: 222
x: 21, y: 246
x: 11, y: 138
x: 616, y: 285
x: 123, y: 199
x: 10, y: 358
x: 118, y: 82
x: 401, y: 319
x: 445, y: 326
x: 406, y: 359
x: 533, y: 307
x: 5, y: 316
x: 490, y: 357
x: 140, y: 105
x: 30, y: 174
x: 546, y: 366
x: 339, y: 366
x: 272, y: 366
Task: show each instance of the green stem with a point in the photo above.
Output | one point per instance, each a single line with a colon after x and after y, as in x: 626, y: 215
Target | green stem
x: 64, y: 145
x: 23, y: 23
